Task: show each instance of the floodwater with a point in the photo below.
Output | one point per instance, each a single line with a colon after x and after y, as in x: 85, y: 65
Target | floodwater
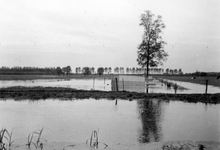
x: 85, y: 84
x: 105, y: 85
x: 156, y: 86
x: 127, y: 124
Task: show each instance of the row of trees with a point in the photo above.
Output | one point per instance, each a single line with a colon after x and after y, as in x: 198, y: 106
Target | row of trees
x: 64, y: 71
x: 203, y: 74
x: 122, y: 70
x: 85, y: 70
x: 174, y: 71
x: 35, y: 70
x: 106, y: 70
x: 28, y: 70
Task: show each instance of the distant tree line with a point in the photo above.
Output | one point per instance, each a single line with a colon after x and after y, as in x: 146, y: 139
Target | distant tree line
x: 116, y: 70
x: 173, y: 71
x: 35, y: 70
x: 203, y: 74
x: 65, y: 71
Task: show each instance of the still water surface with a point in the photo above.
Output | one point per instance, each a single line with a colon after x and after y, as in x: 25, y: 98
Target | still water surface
x: 128, y: 123
x: 86, y: 84
x: 105, y: 85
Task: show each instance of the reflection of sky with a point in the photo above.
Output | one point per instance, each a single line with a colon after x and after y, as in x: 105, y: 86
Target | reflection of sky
x: 86, y: 84
x: 127, y: 124
x: 195, y: 88
x: 190, y: 121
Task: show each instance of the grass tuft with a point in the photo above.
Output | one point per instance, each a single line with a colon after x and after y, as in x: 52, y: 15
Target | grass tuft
x: 94, y: 140
x: 30, y: 139
x: 177, y: 147
x: 4, y: 134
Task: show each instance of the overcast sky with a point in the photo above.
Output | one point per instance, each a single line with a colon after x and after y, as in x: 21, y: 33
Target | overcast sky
x: 106, y: 33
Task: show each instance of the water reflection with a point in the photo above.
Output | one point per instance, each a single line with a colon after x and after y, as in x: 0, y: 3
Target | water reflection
x: 128, y: 123
x: 85, y: 84
x: 150, y: 114
x: 105, y: 85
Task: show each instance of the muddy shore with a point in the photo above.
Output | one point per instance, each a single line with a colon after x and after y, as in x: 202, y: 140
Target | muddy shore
x: 37, y: 93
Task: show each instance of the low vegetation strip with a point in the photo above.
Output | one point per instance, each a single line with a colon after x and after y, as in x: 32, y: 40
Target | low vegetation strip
x: 214, y: 81
x: 37, y: 93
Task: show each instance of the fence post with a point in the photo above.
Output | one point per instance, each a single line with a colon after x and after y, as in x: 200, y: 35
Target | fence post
x: 147, y: 88
x: 206, y: 86
x: 175, y: 87
x: 93, y: 83
x: 116, y: 81
x: 123, y: 84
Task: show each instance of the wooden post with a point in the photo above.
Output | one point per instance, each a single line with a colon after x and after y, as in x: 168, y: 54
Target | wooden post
x: 93, y: 83
x: 123, y: 84
x: 175, y: 87
x: 112, y: 85
x: 147, y: 88
x: 116, y: 102
x: 206, y: 86
x: 104, y: 83
x: 116, y: 83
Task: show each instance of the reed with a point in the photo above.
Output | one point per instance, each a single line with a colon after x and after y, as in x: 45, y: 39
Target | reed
x: 30, y: 138
x: 9, y: 138
x: 94, y: 140
x: 179, y: 147
x: 39, y: 136
x: 2, y: 135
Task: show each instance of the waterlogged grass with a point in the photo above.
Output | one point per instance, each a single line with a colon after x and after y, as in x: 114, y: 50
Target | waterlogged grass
x: 198, y: 80
x: 42, y: 93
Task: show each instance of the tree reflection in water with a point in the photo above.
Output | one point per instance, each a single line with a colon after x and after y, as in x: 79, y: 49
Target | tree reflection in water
x: 150, y: 112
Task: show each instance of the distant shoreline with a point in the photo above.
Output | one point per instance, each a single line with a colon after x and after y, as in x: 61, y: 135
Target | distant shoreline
x: 43, y: 93
x: 35, y: 77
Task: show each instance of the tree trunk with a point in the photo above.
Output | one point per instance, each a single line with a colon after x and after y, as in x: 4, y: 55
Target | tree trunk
x: 146, y: 77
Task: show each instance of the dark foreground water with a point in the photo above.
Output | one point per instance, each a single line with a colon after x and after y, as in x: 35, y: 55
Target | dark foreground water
x: 129, y: 123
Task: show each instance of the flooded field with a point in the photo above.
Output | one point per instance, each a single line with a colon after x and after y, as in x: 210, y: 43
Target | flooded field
x: 125, y: 125
x: 86, y: 84
x: 105, y: 85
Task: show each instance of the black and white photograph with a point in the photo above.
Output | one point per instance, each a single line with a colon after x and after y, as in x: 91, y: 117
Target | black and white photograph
x: 109, y: 74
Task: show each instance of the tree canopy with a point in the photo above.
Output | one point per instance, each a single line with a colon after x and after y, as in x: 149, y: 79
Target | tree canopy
x: 86, y: 71
x: 100, y: 70
x: 59, y: 71
x: 66, y: 70
x: 151, y: 51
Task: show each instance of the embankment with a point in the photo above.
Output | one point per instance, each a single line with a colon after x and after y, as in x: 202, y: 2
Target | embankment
x: 37, y: 93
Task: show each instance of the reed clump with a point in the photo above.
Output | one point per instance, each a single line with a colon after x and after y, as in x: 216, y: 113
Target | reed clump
x: 94, y: 142
x: 177, y: 147
x: 37, y: 143
x: 5, y: 134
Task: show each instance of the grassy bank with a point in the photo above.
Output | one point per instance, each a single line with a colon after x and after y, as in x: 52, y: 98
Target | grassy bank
x: 199, y: 80
x: 36, y: 93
